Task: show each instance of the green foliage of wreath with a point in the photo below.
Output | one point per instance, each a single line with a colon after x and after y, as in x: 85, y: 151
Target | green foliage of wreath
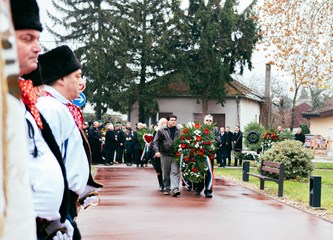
x: 253, y: 129
x: 253, y: 137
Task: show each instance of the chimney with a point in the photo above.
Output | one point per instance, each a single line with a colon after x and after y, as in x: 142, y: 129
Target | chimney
x: 266, y: 107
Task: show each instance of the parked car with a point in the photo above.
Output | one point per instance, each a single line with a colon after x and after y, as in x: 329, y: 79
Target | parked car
x: 315, y: 141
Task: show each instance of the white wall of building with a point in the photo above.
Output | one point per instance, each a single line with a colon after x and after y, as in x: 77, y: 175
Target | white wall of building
x: 249, y: 112
x: 184, y: 108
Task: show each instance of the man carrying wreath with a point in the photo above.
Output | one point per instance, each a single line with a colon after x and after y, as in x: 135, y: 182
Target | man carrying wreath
x: 163, y: 147
x: 207, y: 182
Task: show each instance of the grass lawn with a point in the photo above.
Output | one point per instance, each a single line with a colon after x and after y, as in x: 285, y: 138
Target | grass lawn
x: 294, y: 190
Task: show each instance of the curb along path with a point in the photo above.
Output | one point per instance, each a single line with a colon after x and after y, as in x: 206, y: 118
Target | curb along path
x: 132, y: 208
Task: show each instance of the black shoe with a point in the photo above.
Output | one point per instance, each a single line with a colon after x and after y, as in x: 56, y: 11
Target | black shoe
x: 175, y: 193
x: 161, y: 189
x: 197, y: 193
x: 107, y: 164
x: 208, y: 195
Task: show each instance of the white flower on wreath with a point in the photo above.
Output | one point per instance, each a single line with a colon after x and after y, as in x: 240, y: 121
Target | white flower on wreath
x: 190, y: 124
x: 197, y: 132
x: 197, y: 145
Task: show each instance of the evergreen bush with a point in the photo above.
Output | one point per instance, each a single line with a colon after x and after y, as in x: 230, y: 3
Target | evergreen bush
x: 250, y: 129
x: 295, y: 157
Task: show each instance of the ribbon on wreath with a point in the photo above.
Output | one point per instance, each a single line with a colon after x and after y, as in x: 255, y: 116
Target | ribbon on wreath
x: 210, y: 170
x: 182, y: 175
x: 144, y: 151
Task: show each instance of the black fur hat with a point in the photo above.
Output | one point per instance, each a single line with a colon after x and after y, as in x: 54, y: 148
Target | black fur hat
x: 57, y: 63
x: 25, y: 14
x: 34, y: 76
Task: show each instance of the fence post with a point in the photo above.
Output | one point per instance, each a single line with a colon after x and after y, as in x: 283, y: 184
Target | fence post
x: 315, y: 191
x: 246, y: 169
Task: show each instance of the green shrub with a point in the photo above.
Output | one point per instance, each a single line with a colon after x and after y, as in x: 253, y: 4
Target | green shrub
x: 295, y: 157
x: 305, y: 129
x: 258, y: 128
x: 285, y: 134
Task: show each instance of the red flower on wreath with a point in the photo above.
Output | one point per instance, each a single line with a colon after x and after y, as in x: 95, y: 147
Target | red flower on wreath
x: 196, y: 144
x: 201, y: 151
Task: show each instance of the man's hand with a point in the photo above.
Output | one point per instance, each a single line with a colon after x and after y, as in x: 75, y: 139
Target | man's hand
x: 90, y: 201
x: 64, y: 231
x: 157, y: 155
x: 88, y: 190
x: 61, y: 236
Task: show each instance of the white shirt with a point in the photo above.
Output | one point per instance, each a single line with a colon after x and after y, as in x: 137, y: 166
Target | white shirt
x: 46, y: 177
x: 68, y: 137
x: 20, y: 220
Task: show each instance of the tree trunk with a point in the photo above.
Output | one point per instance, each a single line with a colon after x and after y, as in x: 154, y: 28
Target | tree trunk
x: 98, y: 110
x: 204, y: 106
x: 293, y: 109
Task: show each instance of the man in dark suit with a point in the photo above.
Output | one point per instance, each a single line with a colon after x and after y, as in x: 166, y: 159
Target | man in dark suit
x: 229, y: 136
x: 222, y: 152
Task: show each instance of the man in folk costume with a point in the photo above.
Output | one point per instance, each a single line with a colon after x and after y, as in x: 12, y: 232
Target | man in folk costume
x: 47, y: 172
x: 17, y: 219
x: 207, y: 183
x: 61, y: 72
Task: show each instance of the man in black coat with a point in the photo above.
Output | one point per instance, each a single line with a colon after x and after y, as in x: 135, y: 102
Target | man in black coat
x: 110, y: 145
x: 238, y: 145
x: 300, y: 136
x: 222, y: 152
x: 95, y: 136
x: 229, y: 137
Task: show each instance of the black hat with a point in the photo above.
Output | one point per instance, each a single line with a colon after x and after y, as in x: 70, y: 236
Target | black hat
x: 57, y: 63
x: 34, y: 76
x: 25, y: 14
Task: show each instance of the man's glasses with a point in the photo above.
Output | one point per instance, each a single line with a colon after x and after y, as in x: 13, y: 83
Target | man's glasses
x: 208, y: 120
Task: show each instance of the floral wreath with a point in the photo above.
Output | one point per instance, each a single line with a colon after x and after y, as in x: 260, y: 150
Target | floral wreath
x: 147, y: 138
x: 194, y: 148
x: 253, y: 136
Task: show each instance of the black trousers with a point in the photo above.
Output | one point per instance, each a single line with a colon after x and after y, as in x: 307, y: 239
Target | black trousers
x: 72, y: 214
x: 198, y: 187
x: 229, y: 148
x: 129, y: 157
x: 109, y: 156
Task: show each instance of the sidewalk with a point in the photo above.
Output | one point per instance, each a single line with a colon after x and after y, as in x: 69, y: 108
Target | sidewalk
x: 133, y: 209
x: 321, y: 156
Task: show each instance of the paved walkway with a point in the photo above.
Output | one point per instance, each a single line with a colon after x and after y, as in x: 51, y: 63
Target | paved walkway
x: 133, y: 209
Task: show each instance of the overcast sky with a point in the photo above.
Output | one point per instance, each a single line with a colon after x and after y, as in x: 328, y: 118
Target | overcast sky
x: 258, y: 60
